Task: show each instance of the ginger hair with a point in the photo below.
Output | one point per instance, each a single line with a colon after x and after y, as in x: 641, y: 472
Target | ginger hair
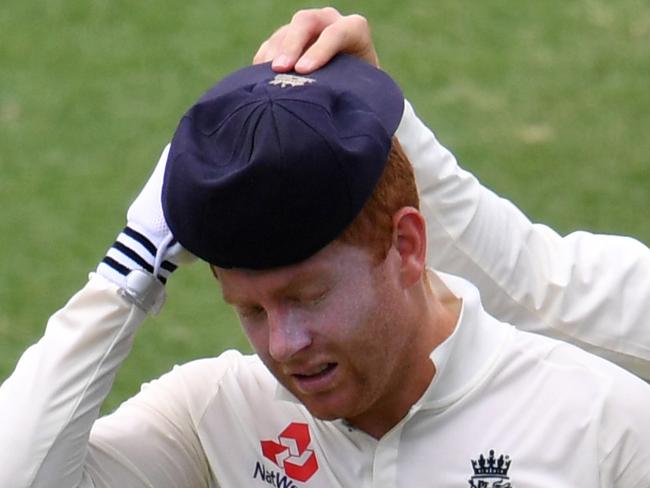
x: 372, y: 228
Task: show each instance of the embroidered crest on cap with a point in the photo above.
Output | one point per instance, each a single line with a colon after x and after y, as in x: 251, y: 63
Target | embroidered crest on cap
x: 285, y: 80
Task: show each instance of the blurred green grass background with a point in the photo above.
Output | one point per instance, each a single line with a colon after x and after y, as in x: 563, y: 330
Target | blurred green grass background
x: 547, y: 102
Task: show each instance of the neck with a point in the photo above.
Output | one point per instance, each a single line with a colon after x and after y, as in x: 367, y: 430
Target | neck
x: 433, y: 312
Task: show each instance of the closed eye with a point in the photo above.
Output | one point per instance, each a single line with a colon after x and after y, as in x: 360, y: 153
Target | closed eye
x: 250, y: 311
x: 312, y: 299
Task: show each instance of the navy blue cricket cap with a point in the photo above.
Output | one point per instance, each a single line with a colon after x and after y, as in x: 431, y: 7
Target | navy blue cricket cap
x: 266, y: 169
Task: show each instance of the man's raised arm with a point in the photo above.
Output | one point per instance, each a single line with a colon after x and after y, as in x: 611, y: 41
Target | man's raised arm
x: 588, y: 289
x: 51, y: 401
x: 592, y: 290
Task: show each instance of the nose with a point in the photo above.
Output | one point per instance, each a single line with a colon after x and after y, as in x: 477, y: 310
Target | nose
x: 287, y: 335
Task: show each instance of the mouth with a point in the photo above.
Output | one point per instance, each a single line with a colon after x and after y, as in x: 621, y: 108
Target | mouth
x: 317, y: 380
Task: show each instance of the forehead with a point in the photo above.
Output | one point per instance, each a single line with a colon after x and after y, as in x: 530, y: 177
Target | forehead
x: 334, y: 262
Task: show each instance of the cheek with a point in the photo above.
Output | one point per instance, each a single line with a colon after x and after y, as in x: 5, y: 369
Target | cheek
x: 376, y: 322
x: 257, y: 337
x: 356, y: 316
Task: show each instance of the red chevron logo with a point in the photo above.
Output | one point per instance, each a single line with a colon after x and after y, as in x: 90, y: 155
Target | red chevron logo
x: 292, y: 452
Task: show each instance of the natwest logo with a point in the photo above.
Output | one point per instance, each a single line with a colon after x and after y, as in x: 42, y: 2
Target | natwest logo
x: 292, y: 453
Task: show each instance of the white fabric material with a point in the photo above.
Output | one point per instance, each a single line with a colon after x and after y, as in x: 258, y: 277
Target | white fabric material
x: 49, y: 403
x: 563, y: 417
x: 145, y: 213
x: 111, y: 274
x: 591, y: 290
x: 145, y: 216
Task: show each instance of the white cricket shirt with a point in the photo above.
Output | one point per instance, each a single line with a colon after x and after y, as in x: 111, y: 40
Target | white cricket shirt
x: 504, y: 407
x: 503, y: 404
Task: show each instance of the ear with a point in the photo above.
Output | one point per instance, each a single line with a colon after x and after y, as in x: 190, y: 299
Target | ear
x: 410, y: 241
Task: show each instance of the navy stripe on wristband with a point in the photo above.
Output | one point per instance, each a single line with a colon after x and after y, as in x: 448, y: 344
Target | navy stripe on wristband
x: 146, y: 243
x: 125, y: 270
x: 119, y: 267
x: 134, y: 256
x: 133, y: 250
x: 168, y: 266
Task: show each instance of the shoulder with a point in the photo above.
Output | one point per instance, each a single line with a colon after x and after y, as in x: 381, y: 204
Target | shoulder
x: 211, y: 371
x: 597, y: 394
x: 203, y: 378
x: 187, y: 389
x: 569, y: 384
x: 565, y: 362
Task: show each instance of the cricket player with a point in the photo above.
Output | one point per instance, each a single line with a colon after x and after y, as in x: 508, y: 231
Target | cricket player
x: 372, y: 368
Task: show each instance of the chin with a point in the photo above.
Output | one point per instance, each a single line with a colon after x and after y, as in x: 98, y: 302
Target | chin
x: 338, y: 403
x: 327, y: 416
x: 329, y: 408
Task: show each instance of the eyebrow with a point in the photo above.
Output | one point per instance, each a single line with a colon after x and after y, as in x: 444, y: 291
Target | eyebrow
x: 301, y: 281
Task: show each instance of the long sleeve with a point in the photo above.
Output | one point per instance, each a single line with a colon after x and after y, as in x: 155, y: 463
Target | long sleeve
x: 50, y: 402
x: 588, y: 289
x: 152, y: 439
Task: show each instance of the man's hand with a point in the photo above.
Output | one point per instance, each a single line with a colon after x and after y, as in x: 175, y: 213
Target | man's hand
x: 146, y: 243
x: 315, y: 36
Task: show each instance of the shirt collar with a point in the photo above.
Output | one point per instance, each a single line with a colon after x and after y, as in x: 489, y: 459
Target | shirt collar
x: 469, y: 353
